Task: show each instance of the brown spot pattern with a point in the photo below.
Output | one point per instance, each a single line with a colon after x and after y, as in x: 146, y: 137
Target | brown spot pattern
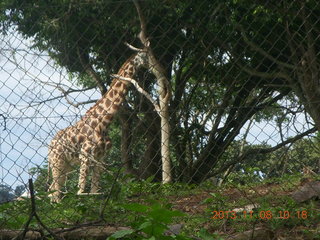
x: 107, y: 103
x: 110, y: 93
x: 74, y: 144
x: 118, y: 84
x: 81, y: 138
x: 94, y: 123
x: 85, y: 129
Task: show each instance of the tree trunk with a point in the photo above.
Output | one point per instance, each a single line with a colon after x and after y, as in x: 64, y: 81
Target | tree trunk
x: 126, y: 139
x: 151, y: 161
x: 165, y: 136
x: 164, y: 93
x: 305, y: 78
x: 164, y: 98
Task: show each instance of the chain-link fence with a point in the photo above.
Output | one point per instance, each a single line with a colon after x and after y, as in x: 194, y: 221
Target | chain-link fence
x: 219, y: 100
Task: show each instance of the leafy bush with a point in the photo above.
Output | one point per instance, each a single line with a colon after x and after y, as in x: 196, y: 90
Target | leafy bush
x: 150, y: 222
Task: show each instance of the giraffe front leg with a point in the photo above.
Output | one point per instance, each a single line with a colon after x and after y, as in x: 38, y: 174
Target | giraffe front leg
x: 84, y: 170
x: 56, y: 195
x: 58, y: 180
x: 98, y: 166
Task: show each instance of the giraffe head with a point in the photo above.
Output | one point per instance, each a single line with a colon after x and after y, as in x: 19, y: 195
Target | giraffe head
x: 141, y: 59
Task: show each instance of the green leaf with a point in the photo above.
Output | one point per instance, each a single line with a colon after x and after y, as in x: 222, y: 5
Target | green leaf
x: 144, y: 225
x: 122, y: 233
x: 204, y: 235
x: 152, y: 238
x: 163, y: 215
x: 136, y: 207
x: 155, y: 230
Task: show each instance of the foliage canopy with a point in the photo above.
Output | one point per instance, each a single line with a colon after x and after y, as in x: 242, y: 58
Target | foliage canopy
x: 229, y: 62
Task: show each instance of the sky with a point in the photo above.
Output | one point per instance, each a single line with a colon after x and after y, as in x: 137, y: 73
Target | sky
x: 28, y: 121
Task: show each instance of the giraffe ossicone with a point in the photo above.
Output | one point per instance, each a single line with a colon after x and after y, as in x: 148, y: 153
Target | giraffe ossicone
x: 86, y: 142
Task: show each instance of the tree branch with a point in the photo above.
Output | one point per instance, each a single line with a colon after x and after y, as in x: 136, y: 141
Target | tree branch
x: 223, y: 107
x: 251, y: 71
x: 91, y: 72
x: 140, y: 90
x: 58, y: 86
x: 143, y: 25
x: 261, y: 51
x: 266, y: 75
x: 264, y: 150
x: 65, y: 94
x: 33, y: 213
x: 164, y: 92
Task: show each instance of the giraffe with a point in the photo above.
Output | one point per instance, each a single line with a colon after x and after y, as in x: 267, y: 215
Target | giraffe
x: 86, y: 142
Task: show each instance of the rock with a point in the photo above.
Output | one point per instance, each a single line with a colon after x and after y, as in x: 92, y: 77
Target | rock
x: 307, y: 191
x: 174, y: 229
x: 247, y: 208
x: 255, y: 234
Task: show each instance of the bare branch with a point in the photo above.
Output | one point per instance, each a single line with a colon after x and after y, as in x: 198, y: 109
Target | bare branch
x: 249, y: 70
x: 265, y: 75
x: 58, y: 86
x: 263, y: 52
x: 67, y: 92
x: 143, y: 25
x: 91, y: 72
x: 140, y: 90
x: 264, y: 150
x: 289, y: 140
x: 4, y: 121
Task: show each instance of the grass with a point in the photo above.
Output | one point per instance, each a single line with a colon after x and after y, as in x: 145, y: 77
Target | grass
x: 275, y: 211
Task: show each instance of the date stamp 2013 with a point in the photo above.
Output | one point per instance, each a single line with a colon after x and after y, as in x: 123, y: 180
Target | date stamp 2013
x: 265, y: 215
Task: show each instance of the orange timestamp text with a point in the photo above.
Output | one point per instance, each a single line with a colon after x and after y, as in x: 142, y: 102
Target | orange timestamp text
x: 266, y: 215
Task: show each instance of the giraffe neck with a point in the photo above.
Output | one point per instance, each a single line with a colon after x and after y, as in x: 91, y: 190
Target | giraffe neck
x: 104, y: 110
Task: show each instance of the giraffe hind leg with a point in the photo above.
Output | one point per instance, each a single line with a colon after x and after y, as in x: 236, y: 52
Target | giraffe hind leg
x: 84, y: 171
x: 95, y: 179
x: 59, y: 175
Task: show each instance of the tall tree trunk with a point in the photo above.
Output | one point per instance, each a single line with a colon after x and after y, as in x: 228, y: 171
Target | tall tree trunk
x: 165, y: 138
x: 305, y: 78
x: 164, y: 98
x: 151, y: 160
x: 126, y: 139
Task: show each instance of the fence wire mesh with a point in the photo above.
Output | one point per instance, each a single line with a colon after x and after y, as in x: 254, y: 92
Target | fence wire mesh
x: 229, y: 119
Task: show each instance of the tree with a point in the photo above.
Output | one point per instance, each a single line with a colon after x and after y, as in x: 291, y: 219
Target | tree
x: 225, y: 64
x: 280, y: 39
x: 5, y: 193
x: 19, y: 190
